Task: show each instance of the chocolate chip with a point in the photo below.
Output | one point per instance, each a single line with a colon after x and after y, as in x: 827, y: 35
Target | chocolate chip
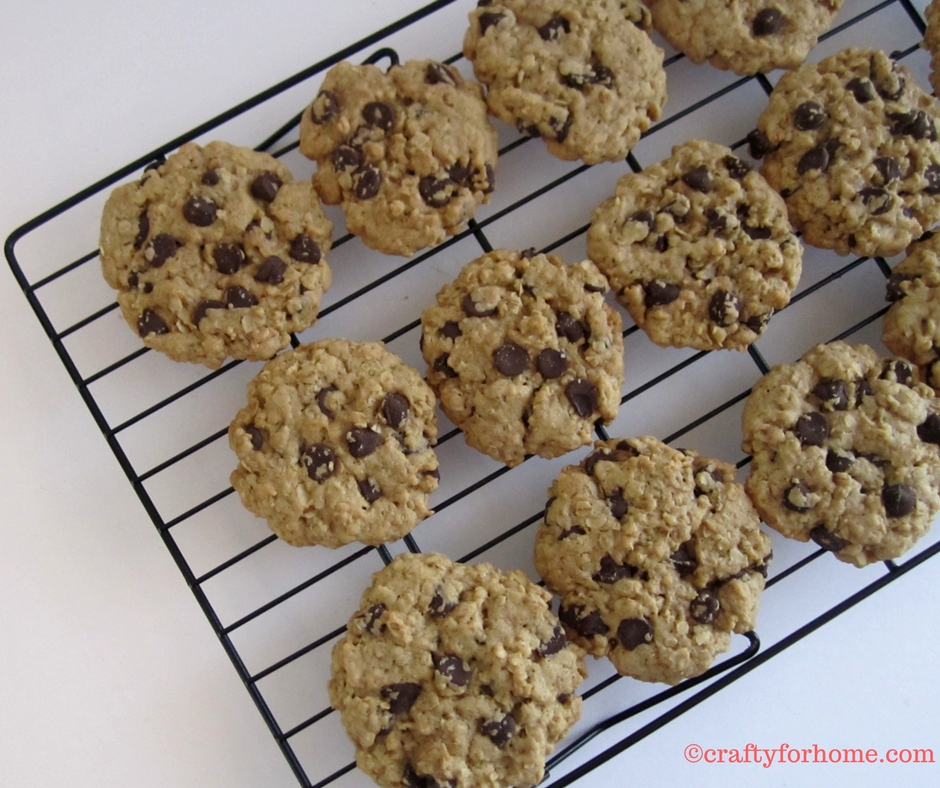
x: 204, y: 306
x: 256, y: 435
x: 395, y: 408
x: 644, y: 217
x: 362, y: 442
x: 758, y: 323
x: 715, y: 221
x: 210, y: 178
x: 319, y: 460
x: 561, y: 127
x: 161, y: 248
x: 500, y: 732
x: 929, y: 430
x: 698, y: 179
x: 372, y: 617
x: 724, y: 308
x: 876, y: 199
x: 583, y: 396
x: 439, y: 607
x: 487, y: 20
x: 271, y: 271
x: 893, y: 290
x: 305, y: 249
x: 610, y: 571
x: 551, y: 363
x: 932, y: 176
x: 199, y: 211
x: 833, y: 394
x: 143, y: 229
x: 808, y: 116
x: 684, y: 560
x: 839, y: 462
x: 826, y: 539
x: 814, y: 159
x: 369, y: 490
x: 757, y: 233
x: 862, y: 89
x: 617, y: 503
x: 345, y: 158
x: 460, y: 173
x: 796, y: 497
x: 553, y: 29
x: 916, y: 124
x: 602, y: 76
x: 472, y: 310
x: 510, y: 359
x: 238, y: 297
x: 898, y: 370
x: 660, y: 293
x: 587, y: 626
x: 576, y: 80
x: 862, y: 389
x: 490, y: 174
x: 367, y: 180
x: 451, y: 329
x: 380, y: 114
x: 888, y: 167
x: 322, y: 394
x: 401, y: 697
x: 737, y: 168
x: 569, y: 328
x: 442, y: 366
x: 439, y: 74
x: 634, y: 632
x: 414, y: 780
x: 324, y: 108
x: 452, y: 668
x: 812, y: 429
x: 705, y: 607
x: 575, y: 530
x: 436, y: 192
x: 766, y: 22
x: 899, y: 500
x: 228, y: 257
x: 265, y: 186
x: 759, y: 144
x: 556, y: 642
x: 150, y: 322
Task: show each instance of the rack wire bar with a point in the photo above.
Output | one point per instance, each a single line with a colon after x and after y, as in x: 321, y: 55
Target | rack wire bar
x: 219, y: 554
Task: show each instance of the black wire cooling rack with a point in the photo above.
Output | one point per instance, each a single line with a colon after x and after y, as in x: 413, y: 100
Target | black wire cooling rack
x: 278, y: 610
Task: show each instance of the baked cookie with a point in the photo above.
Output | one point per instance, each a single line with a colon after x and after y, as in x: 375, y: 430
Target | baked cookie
x: 408, y: 154
x: 845, y: 452
x: 698, y: 248
x: 851, y: 144
x: 457, y: 676
x: 335, y: 445
x: 524, y: 354
x: 581, y: 74
x: 217, y: 252
x: 746, y: 36
x: 911, y: 327
x: 932, y: 42
x: 657, y: 555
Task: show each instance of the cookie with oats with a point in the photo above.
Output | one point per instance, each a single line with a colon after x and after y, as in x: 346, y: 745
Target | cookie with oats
x: 409, y: 154
x: 746, y: 36
x: 851, y: 144
x: 657, y: 555
x: 583, y: 75
x: 845, y: 452
x: 524, y: 354
x: 336, y: 444
x: 931, y: 42
x: 451, y: 675
x: 217, y: 252
x: 698, y: 248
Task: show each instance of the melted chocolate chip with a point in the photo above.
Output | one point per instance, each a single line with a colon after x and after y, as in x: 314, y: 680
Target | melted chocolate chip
x: 888, y: 167
x: 150, y: 322
x: 554, y: 644
x: 561, y: 127
x: 488, y: 19
x: 380, y: 114
x: 877, y: 200
x: 796, y: 497
x: 587, y: 626
x: 372, y: 618
x: 395, y: 409
x: 916, y: 124
x: 898, y: 370
x: 324, y: 108
x: 839, y: 462
x: 500, y: 732
x: 161, y: 248
x: 265, y: 186
x: 439, y: 74
x: 634, y: 632
x: 757, y: 233
x: 833, y: 394
x: 200, y: 211
x: 812, y: 429
x: 362, y: 442
x: 271, y: 271
x: 238, y: 297
x: 320, y: 461
x: 929, y: 430
x: 452, y: 668
x: 684, y: 560
x: 767, y: 22
x: 228, y: 258
x: 367, y: 180
x: 826, y: 539
x: 256, y: 435
x: 610, y: 571
x: 322, y: 394
x: 143, y: 229
x: 705, y: 607
x: 814, y: 159
x: 439, y: 607
x: 305, y: 249
x: 401, y: 697
x: 808, y: 116
x: 899, y: 500
x: 698, y: 179
x: 660, y: 293
x: 346, y: 158
x: 862, y: 389
x: 204, y: 306
x: 575, y: 530
x: 436, y: 192
x: 724, y: 308
x: 551, y: 363
x: 554, y: 28
x: 583, y: 396
x: 472, y: 310
x: 618, y: 504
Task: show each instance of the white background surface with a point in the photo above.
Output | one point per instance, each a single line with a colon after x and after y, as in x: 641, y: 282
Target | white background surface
x: 109, y: 673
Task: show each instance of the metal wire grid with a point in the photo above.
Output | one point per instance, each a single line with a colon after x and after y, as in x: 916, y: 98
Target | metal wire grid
x: 314, y: 573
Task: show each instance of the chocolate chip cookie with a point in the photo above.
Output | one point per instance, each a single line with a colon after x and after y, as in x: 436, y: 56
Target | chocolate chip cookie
x: 581, y: 74
x: 335, y: 445
x: 457, y: 676
x: 911, y: 327
x: 409, y: 154
x: 524, y: 354
x: 657, y: 555
x: 845, y: 452
x: 698, y: 248
x: 217, y: 252
x: 747, y: 36
x: 851, y: 144
x: 931, y: 42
